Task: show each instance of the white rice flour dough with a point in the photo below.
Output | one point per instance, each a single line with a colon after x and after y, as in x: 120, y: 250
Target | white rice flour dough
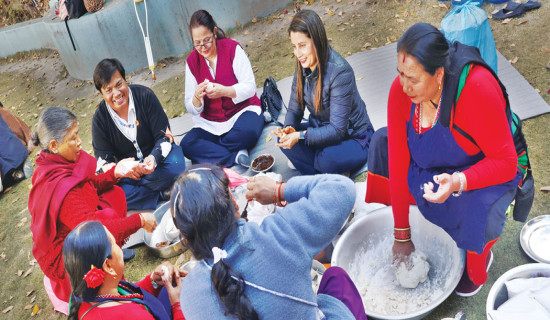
x: 417, y: 274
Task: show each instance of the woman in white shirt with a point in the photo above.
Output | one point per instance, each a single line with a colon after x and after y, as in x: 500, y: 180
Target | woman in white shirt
x: 220, y: 91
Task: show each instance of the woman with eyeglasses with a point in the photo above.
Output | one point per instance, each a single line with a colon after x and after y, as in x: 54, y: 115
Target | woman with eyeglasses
x: 220, y: 91
x: 250, y: 271
x: 336, y: 137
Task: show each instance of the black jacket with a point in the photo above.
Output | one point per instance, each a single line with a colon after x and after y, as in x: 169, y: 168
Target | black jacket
x: 111, y: 145
x: 343, y: 115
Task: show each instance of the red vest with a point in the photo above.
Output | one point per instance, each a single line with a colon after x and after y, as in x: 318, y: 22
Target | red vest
x: 221, y: 109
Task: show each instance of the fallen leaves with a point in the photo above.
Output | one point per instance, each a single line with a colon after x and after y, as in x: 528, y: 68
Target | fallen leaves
x: 513, y: 61
x: 506, y: 21
x: 35, y: 310
x: 545, y: 50
x: 22, y: 222
x: 268, y: 138
x: 29, y: 271
x: 8, y: 309
x: 359, y: 79
x: 522, y: 22
x: 255, y: 19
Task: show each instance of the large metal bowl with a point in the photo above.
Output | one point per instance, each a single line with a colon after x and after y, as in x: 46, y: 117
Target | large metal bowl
x: 498, y: 293
x: 445, y: 258
x: 169, y: 251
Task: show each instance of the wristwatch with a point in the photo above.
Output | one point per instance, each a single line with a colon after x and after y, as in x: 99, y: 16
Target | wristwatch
x: 302, y: 135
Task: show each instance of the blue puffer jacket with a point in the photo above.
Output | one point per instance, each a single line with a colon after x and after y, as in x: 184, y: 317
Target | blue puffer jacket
x: 343, y: 115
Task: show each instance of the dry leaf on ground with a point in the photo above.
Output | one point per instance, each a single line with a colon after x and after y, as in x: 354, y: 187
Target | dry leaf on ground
x: 8, y: 309
x: 246, y: 32
x: 359, y: 79
x: 254, y: 19
x: 27, y: 307
x: 29, y: 271
x: 32, y: 299
x: 545, y: 50
x: 19, y: 273
x: 35, y: 310
x: 268, y: 138
x: 522, y: 22
x: 238, y: 24
x: 29, y: 293
x: 506, y: 21
x: 516, y: 58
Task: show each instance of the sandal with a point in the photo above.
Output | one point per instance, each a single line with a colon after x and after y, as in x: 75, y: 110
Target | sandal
x: 530, y: 5
x: 514, y: 10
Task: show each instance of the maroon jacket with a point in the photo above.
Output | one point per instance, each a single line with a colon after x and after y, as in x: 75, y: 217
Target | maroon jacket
x: 221, y: 109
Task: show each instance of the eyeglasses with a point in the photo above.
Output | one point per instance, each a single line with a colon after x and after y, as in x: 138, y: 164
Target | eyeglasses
x: 206, y: 42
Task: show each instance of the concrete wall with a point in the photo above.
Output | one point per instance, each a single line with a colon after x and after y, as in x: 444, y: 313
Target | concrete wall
x: 114, y: 31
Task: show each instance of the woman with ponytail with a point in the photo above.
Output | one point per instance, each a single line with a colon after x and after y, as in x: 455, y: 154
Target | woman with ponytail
x: 337, y: 135
x: 95, y: 266
x: 251, y: 271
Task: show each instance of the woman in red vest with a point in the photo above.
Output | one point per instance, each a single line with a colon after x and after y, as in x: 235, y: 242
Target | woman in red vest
x: 220, y: 91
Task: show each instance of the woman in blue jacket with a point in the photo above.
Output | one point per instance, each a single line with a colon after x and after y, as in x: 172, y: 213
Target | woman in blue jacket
x: 250, y: 271
x: 336, y: 138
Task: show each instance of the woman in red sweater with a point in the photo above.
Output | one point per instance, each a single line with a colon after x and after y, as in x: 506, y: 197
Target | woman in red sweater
x: 462, y: 171
x: 65, y: 191
x: 95, y: 266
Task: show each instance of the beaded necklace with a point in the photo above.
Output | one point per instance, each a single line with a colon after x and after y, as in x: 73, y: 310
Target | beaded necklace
x: 419, y: 117
x: 118, y: 296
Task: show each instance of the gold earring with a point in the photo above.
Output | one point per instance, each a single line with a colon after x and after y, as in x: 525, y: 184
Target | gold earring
x: 439, y: 86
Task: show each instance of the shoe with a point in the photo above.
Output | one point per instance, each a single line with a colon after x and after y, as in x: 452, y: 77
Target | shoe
x: 515, y: 10
x: 128, y: 254
x: 243, y: 160
x: 530, y: 5
x: 465, y: 287
x: 28, y: 169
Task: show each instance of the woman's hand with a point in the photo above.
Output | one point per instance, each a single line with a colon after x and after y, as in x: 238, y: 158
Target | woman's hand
x: 401, y: 252
x: 261, y: 189
x: 447, y: 185
x: 200, y: 92
x: 148, y: 166
x: 126, y: 168
x: 216, y: 90
x: 148, y: 221
x: 283, y: 132
x: 289, y: 140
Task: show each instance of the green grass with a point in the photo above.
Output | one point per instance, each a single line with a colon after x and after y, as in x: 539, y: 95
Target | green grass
x: 376, y: 22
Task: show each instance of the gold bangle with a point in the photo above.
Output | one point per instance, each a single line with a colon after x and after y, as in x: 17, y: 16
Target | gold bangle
x: 402, y: 229
x: 403, y: 240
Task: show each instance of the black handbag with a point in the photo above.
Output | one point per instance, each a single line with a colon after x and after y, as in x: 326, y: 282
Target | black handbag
x: 524, y: 197
x: 271, y: 99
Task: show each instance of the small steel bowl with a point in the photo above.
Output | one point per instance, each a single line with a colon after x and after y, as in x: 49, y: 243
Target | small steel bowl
x: 168, y: 251
x: 255, y: 162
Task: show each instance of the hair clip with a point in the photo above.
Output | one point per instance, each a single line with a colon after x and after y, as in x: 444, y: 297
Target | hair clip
x: 94, y: 278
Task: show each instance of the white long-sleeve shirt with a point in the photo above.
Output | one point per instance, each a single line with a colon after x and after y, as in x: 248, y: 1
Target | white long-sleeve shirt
x: 244, y: 88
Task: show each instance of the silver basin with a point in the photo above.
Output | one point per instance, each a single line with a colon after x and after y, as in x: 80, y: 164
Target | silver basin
x: 445, y: 258
x: 169, y: 251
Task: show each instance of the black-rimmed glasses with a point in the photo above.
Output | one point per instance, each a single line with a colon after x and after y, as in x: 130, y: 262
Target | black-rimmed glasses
x: 206, y: 42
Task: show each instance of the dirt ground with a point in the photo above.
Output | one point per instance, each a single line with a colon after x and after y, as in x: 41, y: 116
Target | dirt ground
x: 31, y: 81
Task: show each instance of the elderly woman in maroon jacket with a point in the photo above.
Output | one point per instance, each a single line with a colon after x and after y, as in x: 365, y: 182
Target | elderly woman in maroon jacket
x: 220, y: 91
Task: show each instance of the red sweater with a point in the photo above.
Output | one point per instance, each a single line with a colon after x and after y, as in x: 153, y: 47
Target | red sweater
x: 480, y: 113
x: 81, y: 204
x: 128, y: 310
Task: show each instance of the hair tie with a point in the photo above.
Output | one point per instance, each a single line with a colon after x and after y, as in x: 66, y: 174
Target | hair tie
x: 94, y: 278
x: 218, y: 254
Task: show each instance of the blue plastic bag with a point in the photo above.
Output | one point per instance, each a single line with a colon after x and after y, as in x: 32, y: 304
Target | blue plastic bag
x: 469, y: 25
